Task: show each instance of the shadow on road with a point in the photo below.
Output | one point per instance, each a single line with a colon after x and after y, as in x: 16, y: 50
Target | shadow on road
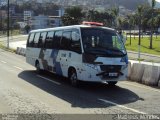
x: 87, y: 96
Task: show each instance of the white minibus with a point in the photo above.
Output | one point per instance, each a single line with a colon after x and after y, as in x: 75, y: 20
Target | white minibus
x: 79, y: 52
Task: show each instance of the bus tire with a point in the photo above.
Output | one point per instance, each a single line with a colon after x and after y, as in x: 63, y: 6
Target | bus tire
x: 38, y: 69
x: 112, y: 83
x: 72, y: 75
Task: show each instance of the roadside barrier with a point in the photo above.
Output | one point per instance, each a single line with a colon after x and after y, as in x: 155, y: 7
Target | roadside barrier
x: 129, y: 69
x: 143, y: 73
x: 21, y: 51
x: 18, y: 50
x: 137, y: 71
x: 151, y: 75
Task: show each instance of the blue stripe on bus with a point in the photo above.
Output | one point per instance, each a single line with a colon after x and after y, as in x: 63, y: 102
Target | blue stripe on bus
x: 58, y: 68
x: 54, y: 55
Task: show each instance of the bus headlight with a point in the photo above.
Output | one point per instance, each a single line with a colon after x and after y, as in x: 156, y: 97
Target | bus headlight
x: 125, y: 59
x: 95, y: 67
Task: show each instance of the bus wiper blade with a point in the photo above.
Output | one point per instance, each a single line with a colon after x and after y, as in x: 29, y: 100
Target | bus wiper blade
x: 116, y: 50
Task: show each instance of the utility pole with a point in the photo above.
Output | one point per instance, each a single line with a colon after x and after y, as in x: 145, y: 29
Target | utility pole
x: 8, y: 26
x: 139, y: 42
x: 151, y: 39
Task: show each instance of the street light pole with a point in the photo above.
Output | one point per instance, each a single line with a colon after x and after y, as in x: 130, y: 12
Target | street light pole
x: 8, y: 26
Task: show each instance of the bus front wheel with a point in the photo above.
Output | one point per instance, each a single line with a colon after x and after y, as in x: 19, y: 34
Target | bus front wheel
x: 38, y: 69
x: 73, y: 77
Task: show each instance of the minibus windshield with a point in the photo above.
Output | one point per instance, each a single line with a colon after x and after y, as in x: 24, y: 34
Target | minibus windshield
x: 102, y: 41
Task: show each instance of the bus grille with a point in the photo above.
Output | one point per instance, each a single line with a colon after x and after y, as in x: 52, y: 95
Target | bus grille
x: 111, y: 68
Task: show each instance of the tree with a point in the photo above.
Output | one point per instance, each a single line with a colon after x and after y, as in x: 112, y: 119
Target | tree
x: 72, y: 16
x: 115, y: 13
x: 92, y: 15
x: 139, y: 10
x: 153, y: 5
x: 27, y: 28
x: 131, y: 22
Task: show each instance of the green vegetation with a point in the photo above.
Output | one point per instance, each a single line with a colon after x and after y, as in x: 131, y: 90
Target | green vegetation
x: 12, y: 33
x: 5, y: 48
x: 145, y: 44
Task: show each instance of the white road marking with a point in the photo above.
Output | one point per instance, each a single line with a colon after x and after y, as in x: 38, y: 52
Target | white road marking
x: 49, y: 80
x: 121, y: 106
x: 142, y: 86
x: 17, y: 67
x: 3, y: 62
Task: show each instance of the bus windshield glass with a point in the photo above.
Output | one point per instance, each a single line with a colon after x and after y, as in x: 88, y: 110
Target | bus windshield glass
x: 101, y: 41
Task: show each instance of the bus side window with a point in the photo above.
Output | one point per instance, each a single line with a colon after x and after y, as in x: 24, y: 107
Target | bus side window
x: 36, y: 40
x: 30, y: 40
x: 66, y: 40
x: 42, y: 39
x: 49, y: 40
x: 75, y: 43
x: 57, y: 39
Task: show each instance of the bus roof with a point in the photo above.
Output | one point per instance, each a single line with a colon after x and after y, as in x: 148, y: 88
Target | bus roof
x: 70, y: 27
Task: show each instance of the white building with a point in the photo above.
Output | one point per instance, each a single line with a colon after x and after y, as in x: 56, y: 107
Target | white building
x: 28, y: 16
x: 55, y: 21
x: 40, y: 22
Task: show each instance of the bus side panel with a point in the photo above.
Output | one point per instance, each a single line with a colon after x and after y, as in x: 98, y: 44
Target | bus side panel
x: 32, y: 54
x: 63, y: 59
x: 39, y: 54
x: 75, y: 60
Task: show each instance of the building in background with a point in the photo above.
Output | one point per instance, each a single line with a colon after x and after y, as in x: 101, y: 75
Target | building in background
x: 55, y: 21
x: 40, y: 22
x: 28, y: 15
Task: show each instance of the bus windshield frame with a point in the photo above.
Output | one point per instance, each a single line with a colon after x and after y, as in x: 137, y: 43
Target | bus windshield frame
x: 102, y: 41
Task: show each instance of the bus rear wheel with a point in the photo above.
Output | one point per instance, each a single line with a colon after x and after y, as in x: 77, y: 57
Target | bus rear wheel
x: 112, y: 83
x: 73, y: 77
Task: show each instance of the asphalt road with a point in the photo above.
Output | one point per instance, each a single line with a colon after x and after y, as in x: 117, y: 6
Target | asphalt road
x: 23, y: 91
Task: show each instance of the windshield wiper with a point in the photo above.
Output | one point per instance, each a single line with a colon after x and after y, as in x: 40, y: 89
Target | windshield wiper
x: 108, y: 51
x: 116, y: 50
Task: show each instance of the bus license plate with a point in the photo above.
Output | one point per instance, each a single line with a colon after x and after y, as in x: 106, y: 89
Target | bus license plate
x: 113, y: 74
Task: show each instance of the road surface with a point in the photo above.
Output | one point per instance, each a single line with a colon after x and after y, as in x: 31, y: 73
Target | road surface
x: 23, y: 91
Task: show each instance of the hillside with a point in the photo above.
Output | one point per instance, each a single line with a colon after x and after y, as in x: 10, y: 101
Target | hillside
x: 129, y: 4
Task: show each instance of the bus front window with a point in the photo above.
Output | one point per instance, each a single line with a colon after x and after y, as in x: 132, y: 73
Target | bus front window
x: 102, y: 41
